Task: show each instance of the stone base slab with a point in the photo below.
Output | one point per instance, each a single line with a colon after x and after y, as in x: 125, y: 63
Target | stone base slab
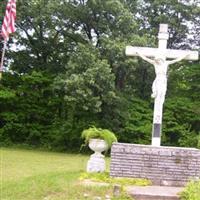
x: 154, y: 192
x: 167, y: 166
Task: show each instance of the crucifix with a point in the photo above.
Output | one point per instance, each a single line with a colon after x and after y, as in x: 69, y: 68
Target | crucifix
x: 158, y: 57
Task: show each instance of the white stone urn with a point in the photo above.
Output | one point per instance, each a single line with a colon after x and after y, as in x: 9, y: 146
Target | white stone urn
x: 97, y: 163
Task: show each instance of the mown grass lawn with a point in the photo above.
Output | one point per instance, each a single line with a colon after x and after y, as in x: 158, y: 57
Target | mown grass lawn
x: 38, y: 175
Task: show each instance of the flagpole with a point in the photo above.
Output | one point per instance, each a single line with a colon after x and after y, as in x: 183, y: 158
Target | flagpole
x: 2, y: 58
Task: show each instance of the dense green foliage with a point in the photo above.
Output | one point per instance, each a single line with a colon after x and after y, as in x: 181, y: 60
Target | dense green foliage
x: 68, y: 71
x: 192, y: 191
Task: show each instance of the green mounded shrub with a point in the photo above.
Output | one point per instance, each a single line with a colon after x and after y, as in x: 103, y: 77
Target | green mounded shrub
x: 192, y: 191
x: 98, y: 133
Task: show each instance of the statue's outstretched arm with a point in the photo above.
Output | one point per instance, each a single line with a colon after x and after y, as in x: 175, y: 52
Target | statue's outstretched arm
x: 177, y: 60
x: 145, y: 58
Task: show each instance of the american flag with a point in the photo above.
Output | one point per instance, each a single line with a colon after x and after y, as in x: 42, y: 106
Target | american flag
x: 8, y: 25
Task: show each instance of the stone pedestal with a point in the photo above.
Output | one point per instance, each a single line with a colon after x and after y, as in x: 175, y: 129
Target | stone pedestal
x: 169, y: 166
x: 96, y: 163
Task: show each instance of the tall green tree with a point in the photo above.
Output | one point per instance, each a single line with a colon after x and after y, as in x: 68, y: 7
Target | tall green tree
x: 69, y: 71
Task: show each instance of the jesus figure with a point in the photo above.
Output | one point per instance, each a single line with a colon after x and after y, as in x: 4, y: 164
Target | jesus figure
x: 159, y: 86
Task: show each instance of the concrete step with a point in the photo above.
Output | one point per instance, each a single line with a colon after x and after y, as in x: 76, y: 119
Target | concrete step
x: 154, y: 192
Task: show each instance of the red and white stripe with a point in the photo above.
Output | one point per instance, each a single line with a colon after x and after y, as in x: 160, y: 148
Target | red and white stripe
x: 8, y: 25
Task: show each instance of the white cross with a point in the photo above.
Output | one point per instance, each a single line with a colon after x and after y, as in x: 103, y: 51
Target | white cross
x: 158, y: 57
